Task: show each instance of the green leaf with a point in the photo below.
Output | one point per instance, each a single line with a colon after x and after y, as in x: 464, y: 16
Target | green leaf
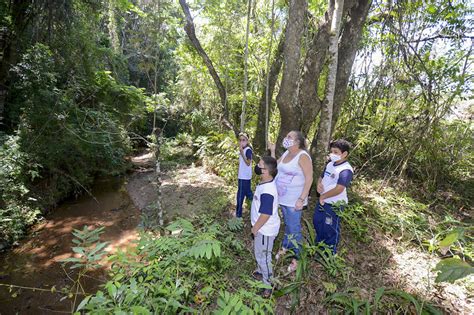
x: 407, y: 297
x: 451, y: 238
x: 431, y: 9
x: 112, y: 289
x: 329, y: 287
x: 83, y: 303
x: 452, y: 269
x: 378, y: 295
x: 139, y: 310
x: 78, y: 250
x: 288, y: 289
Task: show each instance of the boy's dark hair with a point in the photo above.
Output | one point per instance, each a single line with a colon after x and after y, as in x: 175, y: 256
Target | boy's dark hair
x: 341, y: 144
x: 270, y: 165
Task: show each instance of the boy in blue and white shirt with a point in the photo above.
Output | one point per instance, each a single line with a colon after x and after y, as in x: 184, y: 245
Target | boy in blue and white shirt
x: 265, y: 219
x: 332, y: 186
x: 245, y: 173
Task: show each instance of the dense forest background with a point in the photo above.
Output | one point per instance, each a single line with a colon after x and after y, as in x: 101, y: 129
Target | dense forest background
x: 86, y: 84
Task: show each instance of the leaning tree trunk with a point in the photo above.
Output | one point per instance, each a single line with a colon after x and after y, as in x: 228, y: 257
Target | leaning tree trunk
x: 260, y: 133
x: 190, y: 31
x: 324, y: 131
x: 287, y: 96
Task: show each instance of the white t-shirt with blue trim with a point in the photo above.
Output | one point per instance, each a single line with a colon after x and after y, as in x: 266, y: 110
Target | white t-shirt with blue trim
x: 265, y: 201
x: 245, y: 171
x: 337, y: 174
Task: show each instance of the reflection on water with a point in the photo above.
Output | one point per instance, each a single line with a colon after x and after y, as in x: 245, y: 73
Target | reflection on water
x: 35, y: 263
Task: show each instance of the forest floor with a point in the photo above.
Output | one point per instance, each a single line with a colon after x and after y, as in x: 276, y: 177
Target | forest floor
x: 373, y: 262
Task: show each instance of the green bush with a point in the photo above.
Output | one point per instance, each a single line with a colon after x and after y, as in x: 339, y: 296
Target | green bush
x: 219, y: 153
x: 187, y: 270
x: 75, y: 129
x: 17, y: 208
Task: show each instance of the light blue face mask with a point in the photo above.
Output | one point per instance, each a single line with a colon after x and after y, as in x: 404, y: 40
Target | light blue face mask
x: 334, y: 157
x: 288, y: 142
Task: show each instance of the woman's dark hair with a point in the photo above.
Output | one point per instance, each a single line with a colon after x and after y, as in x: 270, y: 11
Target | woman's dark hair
x: 270, y: 165
x: 341, y: 144
x: 301, y: 139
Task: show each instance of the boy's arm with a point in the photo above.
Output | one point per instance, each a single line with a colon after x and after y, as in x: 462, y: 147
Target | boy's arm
x: 320, y: 187
x: 266, y: 210
x: 345, y: 178
x: 262, y: 219
x: 331, y: 193
x: 247, y: 156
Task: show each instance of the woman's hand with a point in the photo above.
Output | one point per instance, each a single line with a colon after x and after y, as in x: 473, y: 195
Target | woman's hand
x: 299, y: 204
x: 271, y: 147
x: 321, y: 200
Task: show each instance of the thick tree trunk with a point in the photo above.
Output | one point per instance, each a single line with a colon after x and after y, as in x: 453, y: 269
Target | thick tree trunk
x: 325, y: 123
x: 190, y: 31
x: 350, y: 40
x: 287, y: 97
x: 259, y: 139
x: 308, y: 99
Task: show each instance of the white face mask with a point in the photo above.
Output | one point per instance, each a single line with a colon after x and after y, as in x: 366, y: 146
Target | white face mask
x: 334, y: 157
x: 288, y: 142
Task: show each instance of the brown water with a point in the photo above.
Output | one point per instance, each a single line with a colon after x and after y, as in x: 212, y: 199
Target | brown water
x: 35, y: 262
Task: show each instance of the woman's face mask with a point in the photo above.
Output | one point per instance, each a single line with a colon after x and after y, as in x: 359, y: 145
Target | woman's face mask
x: 288, y: 142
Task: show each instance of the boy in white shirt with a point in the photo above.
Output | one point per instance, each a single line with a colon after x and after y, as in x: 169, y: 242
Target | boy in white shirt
x: 332, y: 186
x: 245, y: 173
x: 265, y: 218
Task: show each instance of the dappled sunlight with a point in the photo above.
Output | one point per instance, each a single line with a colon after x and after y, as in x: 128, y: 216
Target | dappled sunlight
x: 412, y: 269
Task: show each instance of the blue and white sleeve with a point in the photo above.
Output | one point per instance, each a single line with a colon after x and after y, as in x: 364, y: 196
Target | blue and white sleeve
x: 266, y: 204
x: 345, y: 178
x: 248, y: 154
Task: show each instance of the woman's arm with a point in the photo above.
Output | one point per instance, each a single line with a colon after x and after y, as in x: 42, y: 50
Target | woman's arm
x: 272, y: 147
x: 307, y: 167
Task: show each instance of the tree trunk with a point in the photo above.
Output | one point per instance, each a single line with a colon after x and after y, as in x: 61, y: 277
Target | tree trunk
x: 190, y: 31
x: 350, y: 39
x: 287, y: 96
x: 308, y: 99
x: 325, y: 123
x: 260, y: 136
x: 246, y: 56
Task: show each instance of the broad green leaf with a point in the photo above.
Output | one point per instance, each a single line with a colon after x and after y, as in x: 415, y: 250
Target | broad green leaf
x: 451, y: 238
x: 452, y: 269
